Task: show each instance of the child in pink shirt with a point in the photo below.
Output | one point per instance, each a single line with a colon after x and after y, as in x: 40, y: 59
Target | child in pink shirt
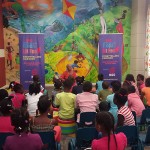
x: 134, y: 101
x: 18, y: 96
x: 140, y: 82
x: 109, y: 140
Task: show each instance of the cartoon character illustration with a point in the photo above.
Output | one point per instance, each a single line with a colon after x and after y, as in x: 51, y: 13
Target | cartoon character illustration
x: 9, y: 49
x: 102, y: 19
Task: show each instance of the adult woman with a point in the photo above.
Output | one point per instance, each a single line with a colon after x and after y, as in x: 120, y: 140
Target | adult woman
x: 68, y: 73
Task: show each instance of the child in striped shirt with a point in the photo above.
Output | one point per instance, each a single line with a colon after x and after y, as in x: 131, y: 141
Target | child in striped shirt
x: 125, y: 116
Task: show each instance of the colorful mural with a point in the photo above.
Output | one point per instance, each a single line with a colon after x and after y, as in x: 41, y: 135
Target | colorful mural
x: 71, y: 29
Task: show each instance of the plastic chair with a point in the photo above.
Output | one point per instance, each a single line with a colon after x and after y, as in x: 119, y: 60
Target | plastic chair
x: 87, y: 119
x: 132, y: 135
x: 48, y: 140
x: 84, y: 138
x: 3, y: 137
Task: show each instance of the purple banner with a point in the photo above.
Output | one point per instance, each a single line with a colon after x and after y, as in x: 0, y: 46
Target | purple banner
x: 31, y: 58
x: 110, y: 56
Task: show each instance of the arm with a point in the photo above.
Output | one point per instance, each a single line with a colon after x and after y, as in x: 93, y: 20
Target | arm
x: 96, y: 86
x: 142, y: 95
x: 120, y: 120
x: 57, y: 101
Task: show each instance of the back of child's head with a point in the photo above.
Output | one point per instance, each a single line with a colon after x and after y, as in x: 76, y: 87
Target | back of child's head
x: 140, y: 77
x: 3, y: 94
x: 67, y: 84
x: 105, y: 85
x: 116, y: 85
x: 87, y: 86
x: 147, y: 82
x: 12, y: 84
x: 130, y: 77
x: 6, y: 106
x: 126, y: 84
x: 18, y: 88
x: 106, y: 121
x: 120, y: 98
x: 34, y: 88
x: 131, y: 89
x: 104, y: 106
x: 57, y: 84
x: 20, y: 120
x: 79, y: 80
x: 43, y: 104
x: 36, y: 78
x: 100, y: 77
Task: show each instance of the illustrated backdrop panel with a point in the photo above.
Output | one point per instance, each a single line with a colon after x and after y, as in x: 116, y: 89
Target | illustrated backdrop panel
x: 66, y: 34
x: 110, y: 56
x: 31, y: 47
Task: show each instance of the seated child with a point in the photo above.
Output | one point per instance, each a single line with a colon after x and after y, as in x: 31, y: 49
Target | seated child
x: 140, y: 82
x: 42, y: 122
x: 125, y: 116
x: 134, y: 101
x: 66, y: 102
x: 79, y: 87
x: 109, y: 140
x: 145, y: 94
x: 18, y: 96
x: 99, y: 83
x: 23, y: 139
x: 102, y: 95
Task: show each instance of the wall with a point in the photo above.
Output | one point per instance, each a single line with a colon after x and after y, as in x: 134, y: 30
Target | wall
x: 138, y: 28
x: 2, y: 58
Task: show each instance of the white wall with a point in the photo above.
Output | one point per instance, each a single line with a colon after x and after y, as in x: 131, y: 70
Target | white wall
x: 138, y: 30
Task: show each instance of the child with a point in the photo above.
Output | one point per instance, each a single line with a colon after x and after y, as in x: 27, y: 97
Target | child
x: 134, y: 101
x: 146, y: 92
x: 140, y: 82
x: 87, y: 101
x: 36, y: 79
x: 79, y: 87
x: 18, y: 96
x: 125, y: 116
x: 104, y: 106
x: 11, y: 87
x: 42, y: 123
x: 3, y: 94
x: 109, y: 140
x: 116, y: 85
x: 33, y: 98
x: 102, y: 95
x: 66, y: 101
x: 129, y: 80
x: 99, y: 83
x: 22, y: 139
x: 57, y: 89
x: 5, y: 121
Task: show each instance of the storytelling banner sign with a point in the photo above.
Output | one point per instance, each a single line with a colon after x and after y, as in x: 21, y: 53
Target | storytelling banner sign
x: 110, y: 56
x: 31, y: 48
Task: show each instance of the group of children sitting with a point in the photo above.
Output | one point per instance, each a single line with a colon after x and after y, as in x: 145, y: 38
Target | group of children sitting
x: 26, y: 113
